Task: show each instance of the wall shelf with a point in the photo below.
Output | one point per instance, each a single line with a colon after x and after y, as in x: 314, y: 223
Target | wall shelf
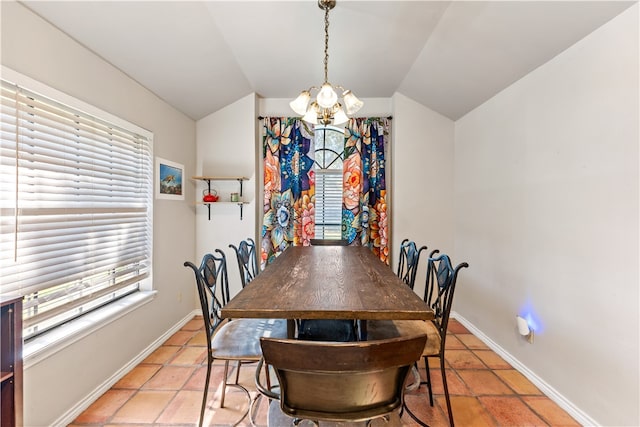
x: 208, y: 180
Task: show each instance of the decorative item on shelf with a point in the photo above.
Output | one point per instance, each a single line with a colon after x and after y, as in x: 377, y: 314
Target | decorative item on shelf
x: 209, y: 196
x: 235, y: 197
x: 209, y: 190
x: 326, y: 108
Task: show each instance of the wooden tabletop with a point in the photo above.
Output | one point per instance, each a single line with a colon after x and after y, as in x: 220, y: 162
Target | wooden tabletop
x: 327, y: 282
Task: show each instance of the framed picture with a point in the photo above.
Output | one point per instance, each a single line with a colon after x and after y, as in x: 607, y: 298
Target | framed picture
x: 169, y: 180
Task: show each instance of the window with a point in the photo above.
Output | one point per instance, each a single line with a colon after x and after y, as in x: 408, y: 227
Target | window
x: 75, y: 206
x: 329, y: 153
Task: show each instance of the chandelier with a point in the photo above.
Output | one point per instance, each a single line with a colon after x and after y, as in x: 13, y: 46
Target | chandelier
x: 326, y: 108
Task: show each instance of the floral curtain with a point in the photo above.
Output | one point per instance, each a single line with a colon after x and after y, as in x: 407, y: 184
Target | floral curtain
x: 364, y: 208
x: 289, y: 186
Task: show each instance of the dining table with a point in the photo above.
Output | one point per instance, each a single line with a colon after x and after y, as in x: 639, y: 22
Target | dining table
x: 327, y: 282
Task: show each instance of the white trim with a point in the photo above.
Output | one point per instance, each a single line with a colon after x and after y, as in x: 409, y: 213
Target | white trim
x: 40, y: 348
x: 32, y: 85
x: 68, y: 417
x: 579, y: 415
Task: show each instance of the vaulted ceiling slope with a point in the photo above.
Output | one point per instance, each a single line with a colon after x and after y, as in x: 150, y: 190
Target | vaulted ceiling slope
x: 450, y: 56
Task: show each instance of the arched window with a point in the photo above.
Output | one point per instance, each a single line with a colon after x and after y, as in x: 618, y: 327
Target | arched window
x: 329, y: 154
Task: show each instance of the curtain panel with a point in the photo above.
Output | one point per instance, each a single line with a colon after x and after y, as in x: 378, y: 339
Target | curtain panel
x: 364, y: 212
x: 289, y: 186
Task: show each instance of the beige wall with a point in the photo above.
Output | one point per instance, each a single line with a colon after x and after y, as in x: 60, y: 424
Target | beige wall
x: 422, y: 183
x: 546, y: 205
x: 537, y: 190
x: 226, y: 147
x: 57, y: 384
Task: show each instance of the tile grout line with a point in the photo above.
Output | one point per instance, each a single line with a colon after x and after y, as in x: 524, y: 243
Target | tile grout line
x: 516, y: 394
x: 439, y: 405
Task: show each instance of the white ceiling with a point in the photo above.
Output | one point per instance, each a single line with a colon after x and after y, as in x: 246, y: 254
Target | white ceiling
x: 450, y: 56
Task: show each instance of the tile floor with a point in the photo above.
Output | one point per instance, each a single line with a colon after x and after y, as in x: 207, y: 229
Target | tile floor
x: 166, y: 390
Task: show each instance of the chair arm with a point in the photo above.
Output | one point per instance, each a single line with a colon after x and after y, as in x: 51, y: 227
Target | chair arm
x: 261, y: 388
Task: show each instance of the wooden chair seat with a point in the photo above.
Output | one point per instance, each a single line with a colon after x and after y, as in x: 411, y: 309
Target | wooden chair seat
x: 240, y: 339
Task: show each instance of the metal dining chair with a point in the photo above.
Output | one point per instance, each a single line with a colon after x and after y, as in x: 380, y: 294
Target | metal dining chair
x: 236, y: 340
x: 439, y: 289
x: 248, y: 267
x: 408, y: 261
x: 339, y: 382
x: 247, y: 257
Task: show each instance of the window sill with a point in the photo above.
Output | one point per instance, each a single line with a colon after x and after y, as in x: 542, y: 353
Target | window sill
x: 63, y: 336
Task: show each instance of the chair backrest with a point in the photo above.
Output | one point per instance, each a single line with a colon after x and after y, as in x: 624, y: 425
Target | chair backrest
x: 408, y: 261
x: 439, y: 289
x: 247, y: 260
x: 329, y: 242
x: 211, y: 274
x: 327, y: 381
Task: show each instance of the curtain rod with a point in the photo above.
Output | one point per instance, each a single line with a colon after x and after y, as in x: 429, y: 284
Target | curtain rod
x: 388, y: 117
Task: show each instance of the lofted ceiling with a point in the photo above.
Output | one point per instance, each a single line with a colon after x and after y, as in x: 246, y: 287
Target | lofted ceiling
x: 450, y: 56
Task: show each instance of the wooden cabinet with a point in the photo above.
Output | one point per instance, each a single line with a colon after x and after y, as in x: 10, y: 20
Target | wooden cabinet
x: 240, y: 202
x: 11, y: 362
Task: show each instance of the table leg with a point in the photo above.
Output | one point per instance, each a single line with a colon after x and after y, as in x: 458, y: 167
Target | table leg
x: 362, y: 329
x: 291, y: 328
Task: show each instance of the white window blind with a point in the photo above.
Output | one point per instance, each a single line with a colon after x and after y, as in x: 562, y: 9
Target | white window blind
x: 328, y: 204
x: 75, y: 207
x: 329, y: 152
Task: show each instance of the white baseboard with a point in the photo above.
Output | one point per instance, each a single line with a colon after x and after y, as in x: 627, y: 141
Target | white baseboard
x: 579, y: 415
x: 68, y: 417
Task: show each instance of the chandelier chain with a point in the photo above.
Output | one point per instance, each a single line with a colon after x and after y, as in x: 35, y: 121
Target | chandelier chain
x: 327, y: 107
x: 326, y: 43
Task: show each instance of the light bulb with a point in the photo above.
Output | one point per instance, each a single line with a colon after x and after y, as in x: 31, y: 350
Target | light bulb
x: 327, y: 97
